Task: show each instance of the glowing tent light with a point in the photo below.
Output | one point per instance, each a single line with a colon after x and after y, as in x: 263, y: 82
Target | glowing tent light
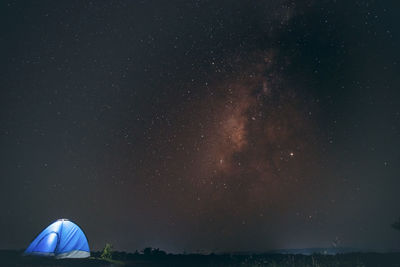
x: 61, y: 239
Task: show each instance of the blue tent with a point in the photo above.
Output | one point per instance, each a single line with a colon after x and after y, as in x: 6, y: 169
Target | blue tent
x: 61, y: 239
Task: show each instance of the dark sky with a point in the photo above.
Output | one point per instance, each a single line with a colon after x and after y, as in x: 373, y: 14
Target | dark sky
x: 201, y: 125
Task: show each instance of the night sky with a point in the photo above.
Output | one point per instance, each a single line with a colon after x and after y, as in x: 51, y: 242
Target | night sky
x: 201, y: 125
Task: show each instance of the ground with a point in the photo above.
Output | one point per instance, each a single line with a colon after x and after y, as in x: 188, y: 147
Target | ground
x: 15, y: 258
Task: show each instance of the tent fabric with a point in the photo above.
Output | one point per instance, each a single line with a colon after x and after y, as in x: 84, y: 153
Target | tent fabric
x: 61, y: 239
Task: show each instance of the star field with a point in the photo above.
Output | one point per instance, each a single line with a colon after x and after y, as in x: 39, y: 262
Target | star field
x: 201, y: 125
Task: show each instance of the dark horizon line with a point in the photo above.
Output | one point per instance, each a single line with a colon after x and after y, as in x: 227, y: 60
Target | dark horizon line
x: 290, y: 251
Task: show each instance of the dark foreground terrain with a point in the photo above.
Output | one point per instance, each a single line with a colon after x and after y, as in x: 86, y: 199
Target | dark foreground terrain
x: 14, y: 258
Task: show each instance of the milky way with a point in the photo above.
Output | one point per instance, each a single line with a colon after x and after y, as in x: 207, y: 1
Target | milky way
x: 254, y: 143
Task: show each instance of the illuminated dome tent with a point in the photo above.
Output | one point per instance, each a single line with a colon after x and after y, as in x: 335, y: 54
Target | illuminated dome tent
x: 61, y: 239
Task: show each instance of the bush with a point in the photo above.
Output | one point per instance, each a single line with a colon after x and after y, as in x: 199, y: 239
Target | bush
x: 107, y: 252
x: 153, y: 252
x: 396, y: 224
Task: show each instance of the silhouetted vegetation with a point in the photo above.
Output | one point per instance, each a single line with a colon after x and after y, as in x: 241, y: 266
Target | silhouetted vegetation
x: 396, y: 224
x: 155, y: 257
x: 153, y: 252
